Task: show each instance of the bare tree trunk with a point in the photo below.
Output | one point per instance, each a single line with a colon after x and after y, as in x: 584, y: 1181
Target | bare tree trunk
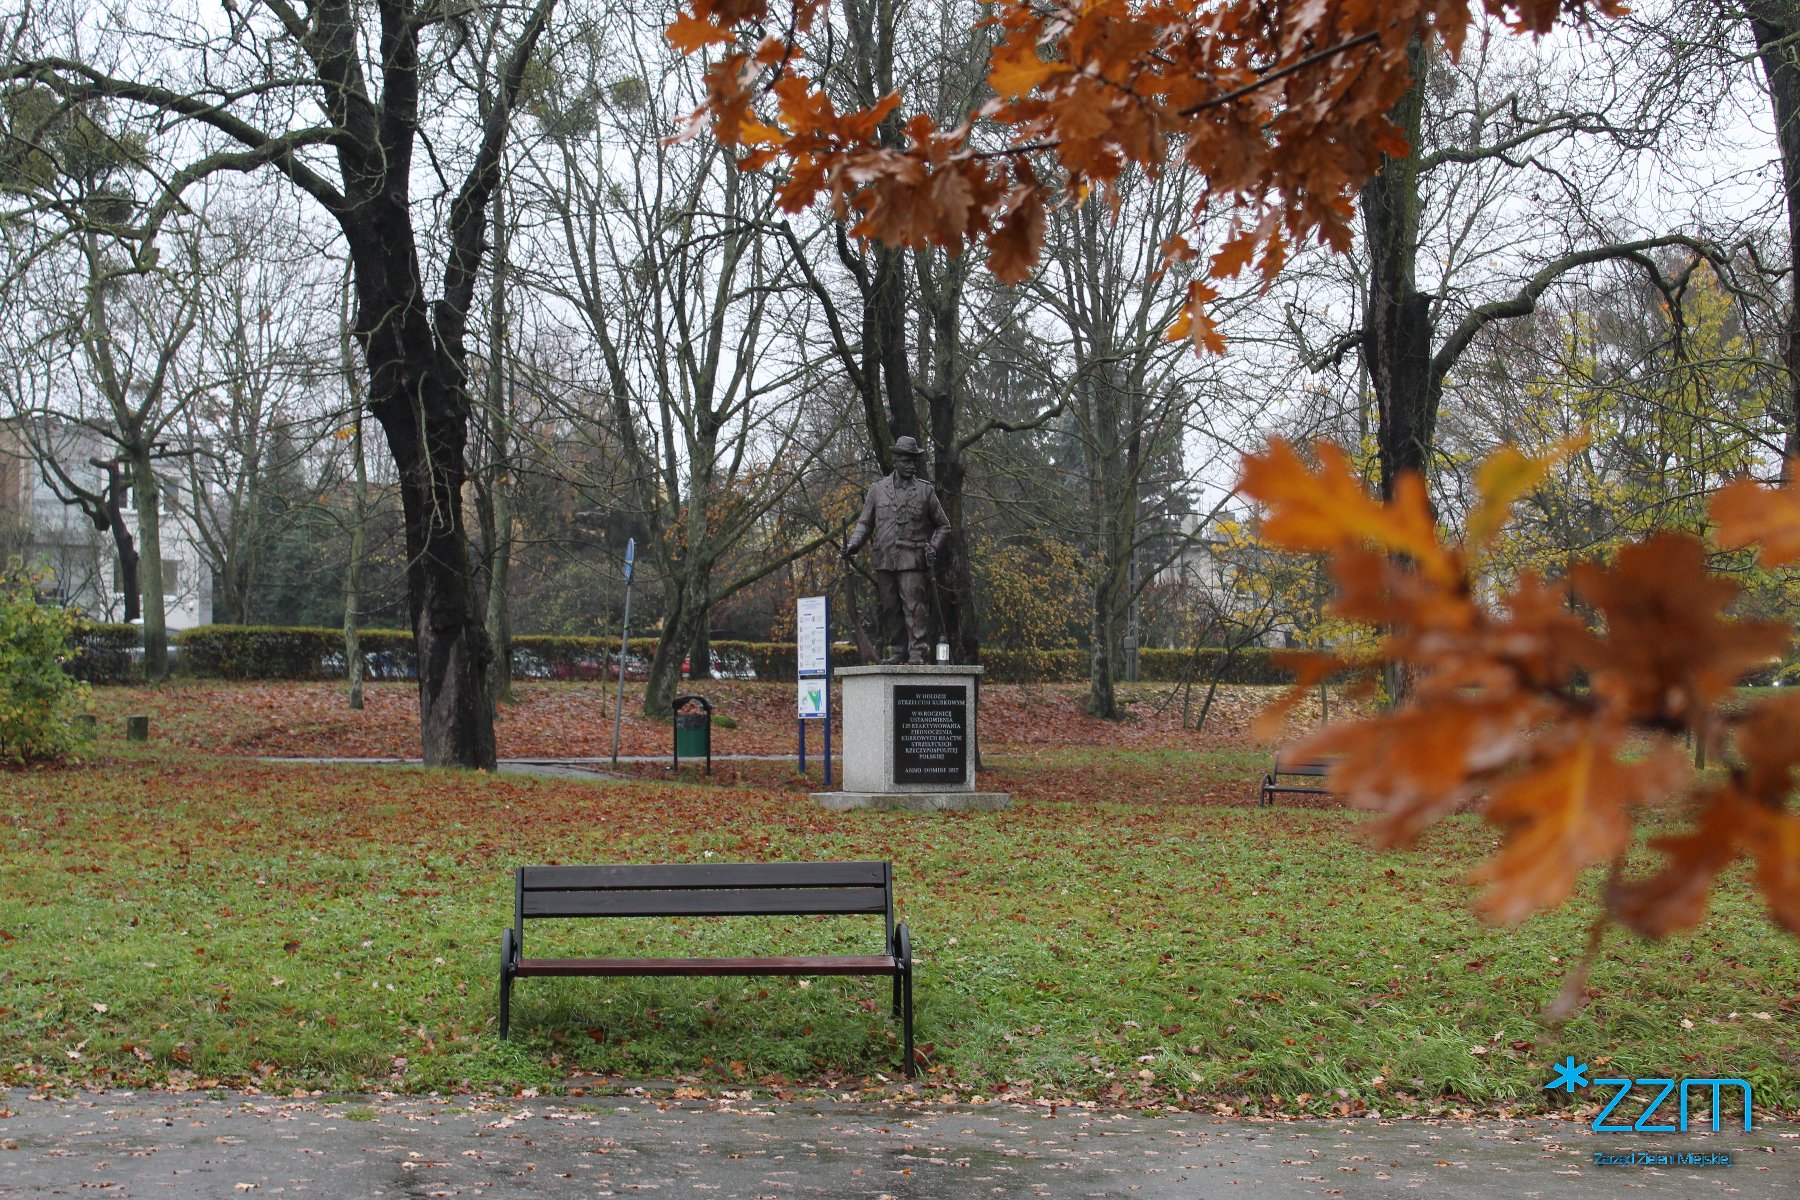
x: 499, y: 481
x: 455, y: 711
x: 1776, y: 24
x: 359, y: 522
x: 1397, y: 331
x: 700, y: 654
x: 150, y: 568
x: 941, y: 282
x: 682, y: 620
x: 123, y: 543
x: 420, y: 398
x: 1113, y: 500
x: 1212, y: 687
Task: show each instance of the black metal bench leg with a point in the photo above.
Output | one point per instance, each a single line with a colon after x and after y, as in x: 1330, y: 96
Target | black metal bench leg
x: 506, y: 982
x: 906, y: 1023
x: 903, y: 997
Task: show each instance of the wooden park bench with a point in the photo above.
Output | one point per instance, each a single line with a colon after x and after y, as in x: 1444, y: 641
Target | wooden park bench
x: 1293, y: 769
x: 711, y: 890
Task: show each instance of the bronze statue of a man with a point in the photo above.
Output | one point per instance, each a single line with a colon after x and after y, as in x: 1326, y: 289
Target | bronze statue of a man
x: 908, y: 526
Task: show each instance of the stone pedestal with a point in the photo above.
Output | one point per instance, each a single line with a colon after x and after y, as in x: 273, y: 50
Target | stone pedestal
x: 909, y: 740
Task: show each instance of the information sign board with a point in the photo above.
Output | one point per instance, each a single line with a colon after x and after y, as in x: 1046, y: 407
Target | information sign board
x: 812, y: 638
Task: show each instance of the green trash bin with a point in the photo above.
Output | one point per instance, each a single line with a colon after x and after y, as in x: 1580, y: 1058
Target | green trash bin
x: 693, y: 731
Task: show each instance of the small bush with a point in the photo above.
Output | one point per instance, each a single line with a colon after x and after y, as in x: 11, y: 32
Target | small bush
x: 38, y: 698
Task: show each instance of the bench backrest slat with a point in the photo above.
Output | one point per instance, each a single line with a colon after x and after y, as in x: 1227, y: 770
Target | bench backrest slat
x: 702, y: 876
x: 706, y: 902
x: 1301, y: 766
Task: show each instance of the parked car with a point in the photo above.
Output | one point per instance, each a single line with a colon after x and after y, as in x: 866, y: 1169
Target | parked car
x: 528, y: 664
x: 636, y: 667
x: 136, y: 654
x: 578, y: 668
x: 732, y: 667
x: 722, y: 667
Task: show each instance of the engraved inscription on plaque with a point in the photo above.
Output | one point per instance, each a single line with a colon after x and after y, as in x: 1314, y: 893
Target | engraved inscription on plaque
x: 931, y: 734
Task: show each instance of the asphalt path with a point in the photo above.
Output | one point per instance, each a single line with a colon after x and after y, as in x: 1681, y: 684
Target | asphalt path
x: 226, y: 1146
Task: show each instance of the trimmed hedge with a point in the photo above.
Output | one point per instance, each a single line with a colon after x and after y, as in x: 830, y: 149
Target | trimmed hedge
x: 277, y: 652
x: 1253, y: 664
x: 289, y: 652
x: 101, y: 652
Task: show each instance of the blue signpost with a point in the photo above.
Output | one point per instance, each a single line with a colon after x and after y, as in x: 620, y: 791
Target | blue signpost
x: 624, y: 644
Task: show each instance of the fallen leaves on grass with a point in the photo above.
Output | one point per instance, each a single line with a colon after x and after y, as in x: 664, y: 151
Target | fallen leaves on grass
x: 555, y: 720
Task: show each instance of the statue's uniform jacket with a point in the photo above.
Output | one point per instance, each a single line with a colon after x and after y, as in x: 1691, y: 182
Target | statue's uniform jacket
x: 900, y: 518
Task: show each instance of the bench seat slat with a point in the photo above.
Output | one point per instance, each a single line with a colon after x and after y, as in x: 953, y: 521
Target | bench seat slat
x: 705, y: 875
x: 720, y: 902
x: 839, y: 964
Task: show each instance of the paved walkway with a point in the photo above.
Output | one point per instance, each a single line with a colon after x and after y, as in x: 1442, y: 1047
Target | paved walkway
x: 232, y: 1146
x: 559, y: 768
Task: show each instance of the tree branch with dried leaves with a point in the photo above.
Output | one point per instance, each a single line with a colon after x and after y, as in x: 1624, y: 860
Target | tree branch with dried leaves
x: 1283, y: 111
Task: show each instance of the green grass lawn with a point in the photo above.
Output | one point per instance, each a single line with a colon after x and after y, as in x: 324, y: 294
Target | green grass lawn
x: 1132, y: 931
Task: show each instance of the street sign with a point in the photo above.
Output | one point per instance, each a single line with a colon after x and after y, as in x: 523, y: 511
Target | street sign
x: 812, y: 649
x: 624, y: 647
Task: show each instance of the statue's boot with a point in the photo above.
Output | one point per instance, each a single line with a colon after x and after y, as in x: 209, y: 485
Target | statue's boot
x: 896, y: 659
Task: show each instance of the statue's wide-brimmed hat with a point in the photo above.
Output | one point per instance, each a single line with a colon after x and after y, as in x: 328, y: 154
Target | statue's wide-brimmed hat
x: 907, y: 445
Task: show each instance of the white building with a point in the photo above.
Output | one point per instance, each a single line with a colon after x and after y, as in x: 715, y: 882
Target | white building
x: 79, y: 564
x: 1212, y: 570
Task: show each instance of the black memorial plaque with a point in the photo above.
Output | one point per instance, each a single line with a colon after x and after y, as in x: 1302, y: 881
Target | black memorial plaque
x: 931, y: 734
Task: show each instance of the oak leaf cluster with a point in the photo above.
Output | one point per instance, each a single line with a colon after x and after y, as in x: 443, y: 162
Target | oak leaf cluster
x: 1561, y: 708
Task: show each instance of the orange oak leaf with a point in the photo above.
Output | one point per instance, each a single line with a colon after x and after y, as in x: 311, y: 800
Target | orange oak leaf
x: 1773, y: 839
x: 1769, y: 750
x: 1750, y: 514
x: 1015, y: 68
x: 1235, y: 254
x: 1669, y: 651
x: 1565, y: 812
x: 1676, y: 897
x: 1309, y: 668
x: 1014, y: 246
x: 1328, y: 508
x: 689, y: 34
x: 1417, y: 763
